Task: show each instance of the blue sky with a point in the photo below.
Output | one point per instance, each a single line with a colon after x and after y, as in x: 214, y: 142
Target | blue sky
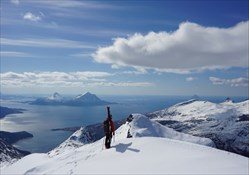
x: 125, y: 47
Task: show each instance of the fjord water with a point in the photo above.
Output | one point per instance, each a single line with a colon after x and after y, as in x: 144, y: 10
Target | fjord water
x: 40, y: 119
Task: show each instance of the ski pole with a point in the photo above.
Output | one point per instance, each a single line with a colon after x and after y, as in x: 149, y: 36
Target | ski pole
x: 103, y: 143
x: 114, y: 138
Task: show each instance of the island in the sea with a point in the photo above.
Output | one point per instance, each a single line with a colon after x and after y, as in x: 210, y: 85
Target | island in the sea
x: 6, y: 111
x: 13, y: 137
x: 87, y: 99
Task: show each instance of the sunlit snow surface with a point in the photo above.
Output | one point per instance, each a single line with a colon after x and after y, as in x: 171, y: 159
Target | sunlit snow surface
x: 153, y: 149
x: 227, y: 123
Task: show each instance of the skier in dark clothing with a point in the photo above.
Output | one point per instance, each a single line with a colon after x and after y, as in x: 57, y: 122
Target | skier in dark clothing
x: 108, y: 129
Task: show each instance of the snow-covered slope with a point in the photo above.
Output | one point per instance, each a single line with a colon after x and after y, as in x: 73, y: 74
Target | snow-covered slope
x: 197, y: 110
x: 145, y: 150
x: 77, y: 139
x: 145, y: 155
x: 141, y: 126
x: 84, y: 135
x: 9, y: 154
x: 227, y: 123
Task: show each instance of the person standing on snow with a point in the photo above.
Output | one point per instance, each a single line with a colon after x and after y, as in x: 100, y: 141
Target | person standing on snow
x: 108, y: 129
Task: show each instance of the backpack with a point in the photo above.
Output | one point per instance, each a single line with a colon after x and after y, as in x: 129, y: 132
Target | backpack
x: 106, y: 126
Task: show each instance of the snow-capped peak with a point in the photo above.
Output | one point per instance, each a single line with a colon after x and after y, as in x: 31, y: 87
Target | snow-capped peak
x: 55, y: 96
x: 86, y: 94
x: 225, y: 123
x: 87, y: 97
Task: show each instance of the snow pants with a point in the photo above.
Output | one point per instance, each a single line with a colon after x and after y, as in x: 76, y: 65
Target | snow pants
x: 108, y: 139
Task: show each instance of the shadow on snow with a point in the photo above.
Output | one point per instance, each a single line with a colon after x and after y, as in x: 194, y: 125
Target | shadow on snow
x: 121, y: 147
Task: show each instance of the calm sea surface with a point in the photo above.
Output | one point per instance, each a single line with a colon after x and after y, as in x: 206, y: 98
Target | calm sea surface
x: 39, y: 120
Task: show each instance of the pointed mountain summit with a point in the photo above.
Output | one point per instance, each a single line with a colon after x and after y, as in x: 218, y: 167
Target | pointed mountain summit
x: 55, y: 96
x: 196, y: 97
x: 87, y: 97
x: 228, y: 100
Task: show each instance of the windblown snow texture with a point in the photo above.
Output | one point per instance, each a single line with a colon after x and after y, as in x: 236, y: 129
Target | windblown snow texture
x: 227, y: 123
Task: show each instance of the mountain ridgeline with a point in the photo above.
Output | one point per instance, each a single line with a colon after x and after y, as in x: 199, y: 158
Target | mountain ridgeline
x: 226, y: 124
x: 86, y: 99
x: 8, y: 152
x: 140, y: 147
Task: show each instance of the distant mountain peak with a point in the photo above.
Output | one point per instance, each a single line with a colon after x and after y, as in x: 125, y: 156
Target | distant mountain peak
x: 228, y: 100
x: 196, y: 97
x: 88, y: 93
x: 56, y: 93
x: 87, y: 97
x: 55, y: 96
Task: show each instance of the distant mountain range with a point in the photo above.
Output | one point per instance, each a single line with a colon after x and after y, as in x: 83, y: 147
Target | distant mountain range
x: 227, y: 123
x: 86, y: 99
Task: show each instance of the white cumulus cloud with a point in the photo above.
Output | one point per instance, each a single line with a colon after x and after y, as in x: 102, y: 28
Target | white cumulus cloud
x: 236, y: 82
x: 31, y: 17
x: 191, y: 47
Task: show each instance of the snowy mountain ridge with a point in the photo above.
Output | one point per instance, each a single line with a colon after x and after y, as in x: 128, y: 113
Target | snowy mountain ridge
x: 227, y: 123
x: 77, y: 139
x: 141, y: 126
x: 9, y: 154
x: 141, y: 151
